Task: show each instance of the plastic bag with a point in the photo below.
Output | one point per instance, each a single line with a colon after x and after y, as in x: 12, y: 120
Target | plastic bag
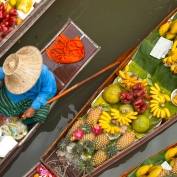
x: 15, y: 128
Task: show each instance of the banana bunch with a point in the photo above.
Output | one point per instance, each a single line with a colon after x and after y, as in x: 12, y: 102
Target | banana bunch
x: 143, y: 170
x: 123, y: 119
x: 164, y: 28
x: 129, y: 80
x: 173, y: 68
x: 169, y: 60
x: 157, y: 103
x: 170, y: 153
x: 168, y: 29
x: 107, y: 125
x: 157, y: 93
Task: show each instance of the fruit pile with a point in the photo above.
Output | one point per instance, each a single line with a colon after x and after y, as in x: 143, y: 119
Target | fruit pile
x: 9, y: 17
x: 169, y: 31
x: 119, y: 116
x: 159, y: 170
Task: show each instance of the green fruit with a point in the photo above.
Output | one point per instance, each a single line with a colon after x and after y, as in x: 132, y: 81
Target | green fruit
x: 141, y: 124
x: 111, y: 94
x: 126, y: 108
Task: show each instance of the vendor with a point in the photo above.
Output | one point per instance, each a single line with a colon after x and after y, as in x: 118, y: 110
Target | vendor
x: 29, y: 84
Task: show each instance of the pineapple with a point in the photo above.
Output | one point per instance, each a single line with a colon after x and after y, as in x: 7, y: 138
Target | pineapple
x: 85, y: 128
x: 164, y: 173
x: 85, y: 167
x: 101, y: 141
x: 125, y: 140
x: 88, y: 146
x: 104, y: 154
x: 75, y: 127
x: 77, y: 150
x: 89, y: 136
x: 93, y: 116
x: 63, y: 144
x: 174, y: 169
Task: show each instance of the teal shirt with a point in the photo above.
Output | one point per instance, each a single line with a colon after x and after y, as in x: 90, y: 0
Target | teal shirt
x: 44, y: 89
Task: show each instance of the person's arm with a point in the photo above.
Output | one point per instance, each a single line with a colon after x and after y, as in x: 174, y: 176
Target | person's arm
x: 48, y: 89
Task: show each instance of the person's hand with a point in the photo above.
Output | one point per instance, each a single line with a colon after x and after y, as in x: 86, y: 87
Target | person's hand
x: 28, y: 113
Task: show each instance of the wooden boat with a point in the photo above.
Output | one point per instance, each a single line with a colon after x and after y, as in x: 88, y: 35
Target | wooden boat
x: 39, y: 8
x: 133, y: 168
x: 50, y: 154
x: 64, y: 74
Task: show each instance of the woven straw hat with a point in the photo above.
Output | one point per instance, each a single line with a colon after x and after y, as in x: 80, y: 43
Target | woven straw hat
x: 22, y: 69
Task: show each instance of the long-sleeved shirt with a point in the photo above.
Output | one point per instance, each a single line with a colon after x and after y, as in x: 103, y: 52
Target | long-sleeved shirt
x: 44, y: 89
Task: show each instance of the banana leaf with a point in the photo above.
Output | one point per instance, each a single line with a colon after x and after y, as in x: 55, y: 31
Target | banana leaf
x: 157, y: 159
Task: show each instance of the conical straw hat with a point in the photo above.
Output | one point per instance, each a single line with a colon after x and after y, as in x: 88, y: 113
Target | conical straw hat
x: 22, y: 69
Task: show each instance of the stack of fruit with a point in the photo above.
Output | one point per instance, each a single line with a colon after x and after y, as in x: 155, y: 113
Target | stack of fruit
x: 9, y: 14
x: 159, y: 170
x: 169, y: 31
x: 118, y: 117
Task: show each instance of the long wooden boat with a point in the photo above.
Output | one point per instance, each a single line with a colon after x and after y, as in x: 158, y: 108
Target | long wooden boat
x: 174, y: 145
x: 50, y: 154
x: 64, y: 74
x: 38, y: 9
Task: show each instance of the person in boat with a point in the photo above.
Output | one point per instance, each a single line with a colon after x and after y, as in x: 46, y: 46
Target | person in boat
x: 28, y: 85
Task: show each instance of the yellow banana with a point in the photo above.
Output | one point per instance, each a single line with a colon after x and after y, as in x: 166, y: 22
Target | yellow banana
x: 154, y: 101
x: 173, y: 67
x: 106, y: 114
x: 117, y: 129
x: 164, y: 28
x: 112, y: 130
x: 154, y: 90
x: 132, y: 79
x: 114, y: 110
x: 155, y: 97
x: 108, y: 129
x: 162, y: 98
x: 170, y: 153
x: 104, y: 125
x: 153, y: 105
x: 127, y: 75
x: 157, y: 86
x: 121, y: 74
x: 143, y: 170
x: 154, y: 113
x: 167, y: 112
x: 162, y: 113
x: 102, y: 121
x: 102, y: 117
x: 127, y: 68
x: 154, y: 108
x: 167, y: 98
x: 158, y: 113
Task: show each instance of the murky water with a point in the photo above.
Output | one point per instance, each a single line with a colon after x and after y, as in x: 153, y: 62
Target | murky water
x: 115, y: 25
